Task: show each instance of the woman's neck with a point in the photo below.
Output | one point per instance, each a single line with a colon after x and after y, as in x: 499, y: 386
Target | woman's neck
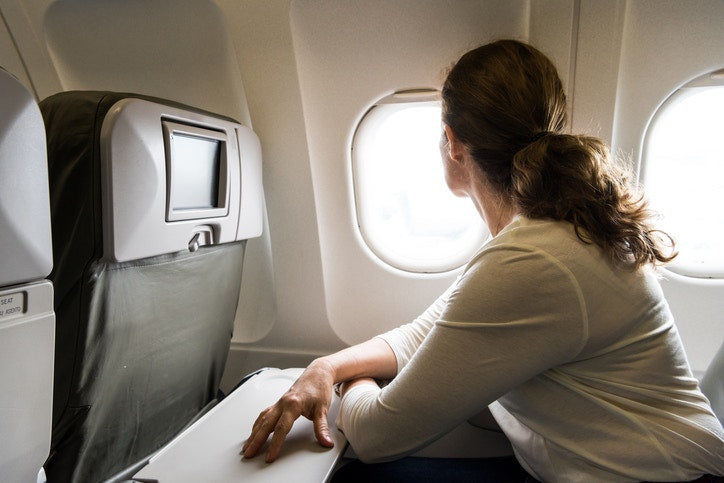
x: 494, y: 208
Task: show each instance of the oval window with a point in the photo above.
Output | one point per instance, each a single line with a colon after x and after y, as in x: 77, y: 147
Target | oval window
x: 683, y: 174
x: 406, y: 214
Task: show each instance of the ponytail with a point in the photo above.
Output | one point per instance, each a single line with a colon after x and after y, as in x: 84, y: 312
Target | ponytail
x: 572, y: 178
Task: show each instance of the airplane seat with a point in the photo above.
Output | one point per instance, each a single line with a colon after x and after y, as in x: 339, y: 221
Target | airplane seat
x: 151, y: 204
x: 26, y: 299
x: 712, y: 384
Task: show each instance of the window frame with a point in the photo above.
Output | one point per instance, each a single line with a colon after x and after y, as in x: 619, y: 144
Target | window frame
x: 711, y: 79
x: 375, y: 115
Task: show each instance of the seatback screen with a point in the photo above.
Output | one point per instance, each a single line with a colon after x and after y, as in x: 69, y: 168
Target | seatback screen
x: 194, y: 172
x: 197, y: 178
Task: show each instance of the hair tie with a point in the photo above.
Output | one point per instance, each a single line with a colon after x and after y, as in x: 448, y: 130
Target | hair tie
x: 539, y: 135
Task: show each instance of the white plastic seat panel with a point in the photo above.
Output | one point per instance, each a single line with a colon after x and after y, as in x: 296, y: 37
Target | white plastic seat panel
x: 26, y: 379
x: 25, y: 244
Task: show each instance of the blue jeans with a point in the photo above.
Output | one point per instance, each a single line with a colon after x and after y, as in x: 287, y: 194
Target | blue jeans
x: 449, y: 470
x: 430, y: 470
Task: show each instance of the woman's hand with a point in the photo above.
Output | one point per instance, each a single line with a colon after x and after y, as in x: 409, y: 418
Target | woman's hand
x: 310, y: 396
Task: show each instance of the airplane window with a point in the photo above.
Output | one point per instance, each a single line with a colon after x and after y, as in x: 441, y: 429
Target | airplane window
x: 683, y: 174
x: 406, y: 214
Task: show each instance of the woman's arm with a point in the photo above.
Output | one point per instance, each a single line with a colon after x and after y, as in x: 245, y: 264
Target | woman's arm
x: 311, y: 395
x: 501, y: 327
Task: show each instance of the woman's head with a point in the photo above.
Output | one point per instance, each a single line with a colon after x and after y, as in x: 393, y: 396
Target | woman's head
x: 497, y: 99
x: 504, y: 102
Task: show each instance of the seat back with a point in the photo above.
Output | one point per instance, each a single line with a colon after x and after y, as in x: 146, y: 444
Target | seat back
x: 149, y: 219
x: 26, y: 300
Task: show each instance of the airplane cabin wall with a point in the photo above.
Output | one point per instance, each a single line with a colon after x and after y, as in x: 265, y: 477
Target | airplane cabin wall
x: 305, y: 71
x: 9, y: 57
x: 333, y: 60
x: 349, y: 55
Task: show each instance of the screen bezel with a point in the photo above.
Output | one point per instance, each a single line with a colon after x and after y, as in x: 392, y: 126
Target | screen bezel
x: 171, y: 129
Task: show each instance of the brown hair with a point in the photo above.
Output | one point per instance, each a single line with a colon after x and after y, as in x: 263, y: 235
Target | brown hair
x: 505, y: 103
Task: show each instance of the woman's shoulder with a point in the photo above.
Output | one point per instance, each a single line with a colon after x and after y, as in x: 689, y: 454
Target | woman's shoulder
x: 544, y: 237
x: 528, y: 258
x: 538, y: 232
x: 535, y: 251
x: 515, y: 285
x: 545, y: 258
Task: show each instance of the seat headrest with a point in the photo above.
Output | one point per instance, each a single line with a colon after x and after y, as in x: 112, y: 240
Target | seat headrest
x: 25, y: 240
x: 167, y: 177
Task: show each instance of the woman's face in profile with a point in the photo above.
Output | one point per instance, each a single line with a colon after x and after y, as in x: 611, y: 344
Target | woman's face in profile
x: 455, y: 175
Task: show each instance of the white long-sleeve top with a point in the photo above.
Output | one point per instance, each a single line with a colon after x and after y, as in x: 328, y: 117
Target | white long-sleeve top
x: 580, y: 363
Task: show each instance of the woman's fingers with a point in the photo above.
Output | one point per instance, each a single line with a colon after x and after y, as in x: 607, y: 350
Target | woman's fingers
x: 281, y: 429
x: 284, y: 425
x: 263, y: 426
x: 321, y: 428
x: 310, y: 397
x: 277, y: 419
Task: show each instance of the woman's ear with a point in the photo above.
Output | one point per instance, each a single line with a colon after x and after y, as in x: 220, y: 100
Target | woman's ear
x: 456, y: 149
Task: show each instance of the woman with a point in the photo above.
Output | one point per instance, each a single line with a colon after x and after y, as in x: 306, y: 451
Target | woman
x: 557, y: 325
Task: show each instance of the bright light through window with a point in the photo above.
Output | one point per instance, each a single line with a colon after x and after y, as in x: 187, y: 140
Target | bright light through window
x: 407, y: 216
x: 684, y: 176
